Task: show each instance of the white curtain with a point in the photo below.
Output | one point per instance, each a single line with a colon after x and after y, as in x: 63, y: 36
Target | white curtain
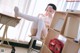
x: 31, y: 7
x: 7, y: 6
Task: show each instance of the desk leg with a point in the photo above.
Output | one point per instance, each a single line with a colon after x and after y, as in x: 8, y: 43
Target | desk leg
x: 4, y: 34
x: 30, y: 47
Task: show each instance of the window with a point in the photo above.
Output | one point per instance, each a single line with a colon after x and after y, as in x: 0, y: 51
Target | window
x: 22, y: 30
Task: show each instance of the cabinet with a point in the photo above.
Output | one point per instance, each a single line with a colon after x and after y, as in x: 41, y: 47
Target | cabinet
x: 66, y: 24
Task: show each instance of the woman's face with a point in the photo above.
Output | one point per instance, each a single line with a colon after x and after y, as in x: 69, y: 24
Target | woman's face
x: 50, y: 10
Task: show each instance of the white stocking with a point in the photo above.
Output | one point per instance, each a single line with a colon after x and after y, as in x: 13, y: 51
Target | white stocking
x: 41, y: 25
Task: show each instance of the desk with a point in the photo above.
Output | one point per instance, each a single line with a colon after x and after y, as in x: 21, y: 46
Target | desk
x: 7, y: 20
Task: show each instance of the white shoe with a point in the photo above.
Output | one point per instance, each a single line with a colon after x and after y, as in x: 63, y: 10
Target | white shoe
x: 16, y: 10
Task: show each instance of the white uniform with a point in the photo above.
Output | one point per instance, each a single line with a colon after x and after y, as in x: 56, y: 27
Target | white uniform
x: 39, y: 23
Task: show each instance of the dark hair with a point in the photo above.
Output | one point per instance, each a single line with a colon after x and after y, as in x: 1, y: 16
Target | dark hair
x: 53, y: 6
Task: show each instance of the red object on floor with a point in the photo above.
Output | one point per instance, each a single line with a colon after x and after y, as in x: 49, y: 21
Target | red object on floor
x: 55, y: 45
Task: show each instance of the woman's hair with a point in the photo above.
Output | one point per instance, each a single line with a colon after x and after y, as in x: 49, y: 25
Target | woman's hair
x: 53, y: 6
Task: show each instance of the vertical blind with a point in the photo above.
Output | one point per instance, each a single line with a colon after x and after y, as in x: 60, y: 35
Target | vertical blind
x: 30, y: 7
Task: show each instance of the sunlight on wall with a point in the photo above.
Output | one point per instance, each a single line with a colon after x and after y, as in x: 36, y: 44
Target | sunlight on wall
x: 36, y: 7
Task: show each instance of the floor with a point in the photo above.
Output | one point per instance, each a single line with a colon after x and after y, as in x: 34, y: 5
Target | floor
x: 18, y: 50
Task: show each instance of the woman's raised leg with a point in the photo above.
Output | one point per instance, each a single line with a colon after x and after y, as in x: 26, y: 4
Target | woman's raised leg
x: 25, y: 16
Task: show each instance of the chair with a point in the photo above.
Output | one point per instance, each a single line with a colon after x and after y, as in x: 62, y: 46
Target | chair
x: 31, y: 43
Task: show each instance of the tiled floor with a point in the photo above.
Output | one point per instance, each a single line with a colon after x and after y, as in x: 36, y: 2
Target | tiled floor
x: 18, y: 50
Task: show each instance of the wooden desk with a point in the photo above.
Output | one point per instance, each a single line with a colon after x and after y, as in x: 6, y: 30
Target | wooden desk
x: 7, y: 21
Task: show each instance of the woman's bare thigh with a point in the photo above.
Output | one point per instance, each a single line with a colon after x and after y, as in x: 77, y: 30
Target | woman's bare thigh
x: 33, y: 31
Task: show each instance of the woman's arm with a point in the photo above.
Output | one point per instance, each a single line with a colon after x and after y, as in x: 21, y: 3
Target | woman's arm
x: 40, y: 16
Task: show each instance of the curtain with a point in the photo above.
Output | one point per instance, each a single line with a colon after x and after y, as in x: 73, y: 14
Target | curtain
x: 7, y: 6
x: 30, y: 7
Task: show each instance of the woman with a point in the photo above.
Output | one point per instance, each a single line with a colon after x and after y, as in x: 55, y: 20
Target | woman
x: 41, y: 23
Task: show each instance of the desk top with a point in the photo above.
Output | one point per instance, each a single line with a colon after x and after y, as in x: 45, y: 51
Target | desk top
x: 8, y: 14
x: 8, y: 19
